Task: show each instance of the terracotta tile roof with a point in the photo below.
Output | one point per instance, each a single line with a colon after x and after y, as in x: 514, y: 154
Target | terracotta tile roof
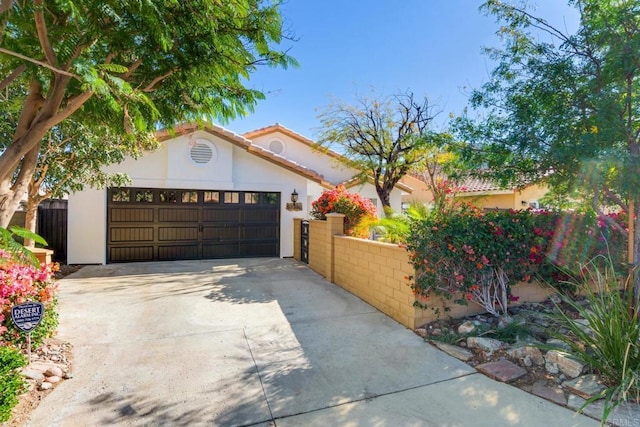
x: 476, y: 185
x: 355, y: 181
x: 245, y: 143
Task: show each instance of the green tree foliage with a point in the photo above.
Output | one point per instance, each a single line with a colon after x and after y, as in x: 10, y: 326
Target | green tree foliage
x: 129, y: 67
x: 383, y: 138
x: 564, y: 107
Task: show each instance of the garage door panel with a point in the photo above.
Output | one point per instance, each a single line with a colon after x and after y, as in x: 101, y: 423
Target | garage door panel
x: 178, y: 215
x: 131, y: 253
x: 152, y: 228
x: 230, y: 250
x: 230, y: 232
x: 131, y: 215
x: 262, y: 216
x: 177, y: 234
x: 131, y: 234
x: 174, y: 252
x: 259, y: 232
x: 221, y: 214
x: 255, y: 249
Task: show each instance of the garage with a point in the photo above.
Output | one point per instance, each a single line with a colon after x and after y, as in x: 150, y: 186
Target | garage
x: 158, y: 224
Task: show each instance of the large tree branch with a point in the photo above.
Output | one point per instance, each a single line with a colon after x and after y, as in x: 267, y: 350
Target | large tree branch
x: 40, y: 63
x: 151, y: 86
x: 11, y: 77
x: 43, y: 33
x: 10, y: 158
x: 131, y: 69
x: 71, y: 107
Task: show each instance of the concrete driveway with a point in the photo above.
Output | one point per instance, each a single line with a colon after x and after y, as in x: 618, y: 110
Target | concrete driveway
x: 258, y: 342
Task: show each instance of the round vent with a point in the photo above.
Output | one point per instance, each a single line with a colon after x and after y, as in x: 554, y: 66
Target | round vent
x: 201, y: 152
x: 276, y: 146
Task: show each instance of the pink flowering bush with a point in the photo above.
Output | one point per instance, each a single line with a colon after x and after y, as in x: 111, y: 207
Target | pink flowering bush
x: 21, y: 281
x: 473, y: 255
x: 359, y: 212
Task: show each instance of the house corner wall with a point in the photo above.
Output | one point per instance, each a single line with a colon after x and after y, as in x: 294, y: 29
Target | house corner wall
x: 87, y: 227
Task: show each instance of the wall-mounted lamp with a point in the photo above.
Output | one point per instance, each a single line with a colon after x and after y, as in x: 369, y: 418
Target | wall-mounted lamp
x: 524, y: 203
x: 294, y: 205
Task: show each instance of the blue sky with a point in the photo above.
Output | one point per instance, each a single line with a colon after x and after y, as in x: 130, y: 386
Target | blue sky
x: 348, y: 47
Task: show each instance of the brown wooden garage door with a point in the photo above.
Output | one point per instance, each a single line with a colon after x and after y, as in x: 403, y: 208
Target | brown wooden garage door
x: 146, y: 224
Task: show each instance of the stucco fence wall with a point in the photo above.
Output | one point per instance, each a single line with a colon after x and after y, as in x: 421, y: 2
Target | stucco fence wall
x: 378, y: 273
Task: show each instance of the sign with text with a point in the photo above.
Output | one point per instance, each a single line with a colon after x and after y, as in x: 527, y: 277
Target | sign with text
x: 27, y: 316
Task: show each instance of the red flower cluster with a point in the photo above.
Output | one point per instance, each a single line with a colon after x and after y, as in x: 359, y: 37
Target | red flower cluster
x: 355, y: 208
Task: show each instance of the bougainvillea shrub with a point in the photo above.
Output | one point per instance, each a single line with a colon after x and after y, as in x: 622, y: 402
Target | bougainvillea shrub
x: 358, y: 211
x: 21, y: 282
x: 474, y: 255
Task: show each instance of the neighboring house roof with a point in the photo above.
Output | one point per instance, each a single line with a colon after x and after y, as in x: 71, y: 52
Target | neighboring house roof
x: 355, y: 181
x: 244, y: 142
x: 311, y: 143
x: 478, y: 185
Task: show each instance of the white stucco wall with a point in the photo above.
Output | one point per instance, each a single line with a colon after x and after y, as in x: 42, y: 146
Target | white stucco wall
x: 171, y: 167
x: 87, y: 227
x: 332, y: 170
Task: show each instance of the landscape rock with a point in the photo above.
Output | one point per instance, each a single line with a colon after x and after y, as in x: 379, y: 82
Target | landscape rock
x: 53, y: 379
x: 533, y: 354
x: 32, y: 374
x: 53, y: 371
x: 486, y: 344
x: 560, y: 345
x: 549, y: 392
x: 502, y: 370
x: 454, y: 351
x: 422, y: 332
x: 46, y: 386
x: 466, y: 328
x: 505, y: 321
x: 552, y: 368
x: 585, y: 386
x: 570, y: 367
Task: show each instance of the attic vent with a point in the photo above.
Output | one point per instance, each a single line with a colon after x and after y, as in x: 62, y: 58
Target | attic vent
x: 201, y: 152
x: 276, y: 146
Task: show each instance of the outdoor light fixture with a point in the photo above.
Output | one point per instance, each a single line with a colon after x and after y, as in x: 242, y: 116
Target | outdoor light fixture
x: 294, y: 205
x: 523, y: 203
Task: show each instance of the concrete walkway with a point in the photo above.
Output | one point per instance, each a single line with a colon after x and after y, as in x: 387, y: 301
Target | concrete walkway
x: 259, y: 342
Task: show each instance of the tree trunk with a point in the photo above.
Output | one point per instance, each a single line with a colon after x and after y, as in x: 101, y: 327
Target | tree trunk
x: 30, y: 221
x: 11, y: 195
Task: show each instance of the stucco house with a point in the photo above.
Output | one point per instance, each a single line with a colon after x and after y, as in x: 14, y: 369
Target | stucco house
x: 482, y: 193
x: 208, y: 192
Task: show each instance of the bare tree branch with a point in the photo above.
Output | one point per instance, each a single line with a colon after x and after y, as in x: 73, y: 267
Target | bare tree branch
x: 11, y: 77
x: 151, y: 86
x: 43, y: 34
x: 35, y: 61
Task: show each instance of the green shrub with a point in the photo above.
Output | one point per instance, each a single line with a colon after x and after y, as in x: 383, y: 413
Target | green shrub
x: 11, y: 381
x: 611, y: 344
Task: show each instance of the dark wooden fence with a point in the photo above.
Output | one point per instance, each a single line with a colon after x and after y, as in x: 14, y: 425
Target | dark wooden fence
x: 52, y: 225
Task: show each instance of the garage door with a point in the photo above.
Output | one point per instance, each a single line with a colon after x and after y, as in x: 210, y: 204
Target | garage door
x: 146, y: 224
